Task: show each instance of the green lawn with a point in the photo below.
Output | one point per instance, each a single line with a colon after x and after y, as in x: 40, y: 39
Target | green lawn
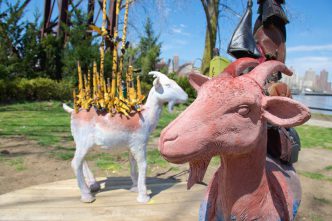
x: 45, y: 122
x: 49, y: 125
x: 312, y: 136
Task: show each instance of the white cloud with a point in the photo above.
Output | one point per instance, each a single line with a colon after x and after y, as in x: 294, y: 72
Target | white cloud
x: 179, y: 30
x: 302, y: 48
x: 317, y: 63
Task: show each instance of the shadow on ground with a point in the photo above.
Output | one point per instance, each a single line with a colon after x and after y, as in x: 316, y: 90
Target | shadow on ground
x: 155, y: 184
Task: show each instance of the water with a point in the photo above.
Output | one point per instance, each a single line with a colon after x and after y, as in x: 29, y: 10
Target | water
x: 316, y: 101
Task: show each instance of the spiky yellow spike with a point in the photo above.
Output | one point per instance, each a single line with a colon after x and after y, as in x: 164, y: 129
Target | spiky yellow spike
x: 131, y: 88
x: 115, y: 51
x: 102, y: 58
x: 95, y: 86
x: 88, y: 84
x: 80, y: 80
x: 113, y: 87
x: 138, y: 83
x: 119, y: 83
x: 75, y: 101
x: 103, y: 26
x: 108, y: 85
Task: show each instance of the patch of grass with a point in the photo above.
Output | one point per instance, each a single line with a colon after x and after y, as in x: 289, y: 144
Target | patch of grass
x: 16, y: 163
x: 110, y: 162
x: 312, y: 136
x: 154, y: 158
x: 315, y: 217
x: 215, y: 161
x: 45, y: 122
x: 64, y: 155
x: 167, y: 117
x: 322, y: 200
x: 175, y: 169
x: 328, y: 168
x: 319, y: 116
x: 315, y: 176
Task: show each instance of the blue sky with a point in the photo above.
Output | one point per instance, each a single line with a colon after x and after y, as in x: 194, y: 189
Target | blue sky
x: 181, y: 24
x: 309, y: 33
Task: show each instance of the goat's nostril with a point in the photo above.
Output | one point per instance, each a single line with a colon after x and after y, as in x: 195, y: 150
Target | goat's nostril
x: 171, y: 138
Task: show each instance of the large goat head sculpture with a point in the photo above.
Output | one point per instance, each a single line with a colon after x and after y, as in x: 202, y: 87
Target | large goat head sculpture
x: 229, y: 118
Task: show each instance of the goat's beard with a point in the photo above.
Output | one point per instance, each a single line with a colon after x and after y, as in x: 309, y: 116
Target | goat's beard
x: 197, y: 171
x: 170, y: 106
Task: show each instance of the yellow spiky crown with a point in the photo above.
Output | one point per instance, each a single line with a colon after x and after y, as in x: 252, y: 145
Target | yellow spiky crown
x: 108, y: 95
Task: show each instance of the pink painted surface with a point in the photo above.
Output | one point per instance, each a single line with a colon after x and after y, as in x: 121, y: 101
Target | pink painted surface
x: 229, y: 119
x: 105, y: 121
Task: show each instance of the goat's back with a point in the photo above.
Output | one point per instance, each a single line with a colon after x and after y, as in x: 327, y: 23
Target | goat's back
x: 101, y: 128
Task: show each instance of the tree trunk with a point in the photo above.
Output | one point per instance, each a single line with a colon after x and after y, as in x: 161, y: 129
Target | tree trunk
x: 211, y: 9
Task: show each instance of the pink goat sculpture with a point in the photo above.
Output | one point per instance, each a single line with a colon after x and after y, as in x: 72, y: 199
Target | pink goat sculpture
x: 229, y: 118
x: 93, y: 127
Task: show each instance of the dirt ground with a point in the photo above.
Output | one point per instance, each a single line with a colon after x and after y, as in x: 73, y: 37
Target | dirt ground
x: 30, y: 164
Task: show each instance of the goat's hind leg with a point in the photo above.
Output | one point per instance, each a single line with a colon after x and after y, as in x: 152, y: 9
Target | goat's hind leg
x: 77, y: 165
x: 133, y: 172
x: 94, y: 186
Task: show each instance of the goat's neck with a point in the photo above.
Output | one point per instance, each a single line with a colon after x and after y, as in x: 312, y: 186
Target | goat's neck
x: 242, y: 181
x: 153, y: 107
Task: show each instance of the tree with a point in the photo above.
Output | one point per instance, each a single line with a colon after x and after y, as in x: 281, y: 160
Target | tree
x: 79, y: 47
x: 211, y: 10
x: 148, y: 51
x: 11, y: 29
x: 32, y: 50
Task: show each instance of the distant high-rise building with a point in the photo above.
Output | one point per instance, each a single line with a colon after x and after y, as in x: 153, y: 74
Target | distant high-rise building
x: 291, y: 81
x: 323, y: 81
x: 309, y: 79
x: 175, y: 63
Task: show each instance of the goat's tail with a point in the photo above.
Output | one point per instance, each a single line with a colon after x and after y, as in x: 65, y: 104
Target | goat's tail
x: 67, y: 108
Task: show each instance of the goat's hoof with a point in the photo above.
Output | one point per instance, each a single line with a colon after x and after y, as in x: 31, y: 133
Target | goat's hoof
x: 134, y: 189
x: 95, y: 187
x: 88, y: 199
x: 143, y: 198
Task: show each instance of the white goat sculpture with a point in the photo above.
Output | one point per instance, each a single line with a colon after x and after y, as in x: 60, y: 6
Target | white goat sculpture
x: 91, y: 128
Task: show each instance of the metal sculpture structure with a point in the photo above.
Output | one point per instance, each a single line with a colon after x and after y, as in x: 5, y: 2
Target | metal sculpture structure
x: 249, y: 185
x: 107, y: 95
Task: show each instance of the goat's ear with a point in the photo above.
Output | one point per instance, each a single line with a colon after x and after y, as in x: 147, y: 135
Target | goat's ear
x: 197, y: 80
x: 284, y: 112
x: 156, y: 82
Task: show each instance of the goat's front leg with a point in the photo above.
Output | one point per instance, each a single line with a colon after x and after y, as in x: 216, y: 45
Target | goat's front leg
x: 139, y: 153
x: 93, y: 184
x: 133, y: 172
x: 77, y: 165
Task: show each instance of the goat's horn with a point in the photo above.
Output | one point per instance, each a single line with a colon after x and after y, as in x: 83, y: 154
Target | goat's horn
x: 237, y: 67
x: 264, y: 70
x: 155, y: 73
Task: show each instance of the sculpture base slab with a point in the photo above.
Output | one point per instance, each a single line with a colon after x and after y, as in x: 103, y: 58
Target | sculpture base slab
x: 61, y: 201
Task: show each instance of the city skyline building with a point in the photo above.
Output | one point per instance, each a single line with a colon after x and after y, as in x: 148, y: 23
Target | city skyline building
x: 311, y: 81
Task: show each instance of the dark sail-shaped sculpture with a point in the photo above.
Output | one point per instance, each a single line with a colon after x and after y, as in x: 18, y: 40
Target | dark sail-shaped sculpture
x: 242, y: 43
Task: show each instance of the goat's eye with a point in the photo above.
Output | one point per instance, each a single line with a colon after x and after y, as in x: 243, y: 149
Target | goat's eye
x: 243, y: 110
x: 167, y: 85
